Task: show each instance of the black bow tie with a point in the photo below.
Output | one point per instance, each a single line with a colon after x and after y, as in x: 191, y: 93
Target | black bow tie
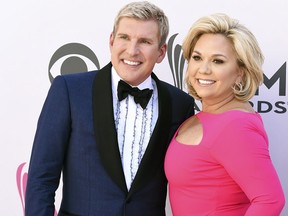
x: 140, y: 96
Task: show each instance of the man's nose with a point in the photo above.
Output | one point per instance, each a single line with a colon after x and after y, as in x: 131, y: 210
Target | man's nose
x: 133, y: 48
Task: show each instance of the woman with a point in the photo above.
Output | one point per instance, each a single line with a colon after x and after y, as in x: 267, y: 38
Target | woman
x: 218, y: 162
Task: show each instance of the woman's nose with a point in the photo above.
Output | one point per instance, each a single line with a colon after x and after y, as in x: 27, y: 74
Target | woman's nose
x: 204, y: 67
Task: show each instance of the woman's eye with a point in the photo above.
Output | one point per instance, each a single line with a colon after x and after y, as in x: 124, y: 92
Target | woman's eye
x: 196, y: 57
x: 218, y: 61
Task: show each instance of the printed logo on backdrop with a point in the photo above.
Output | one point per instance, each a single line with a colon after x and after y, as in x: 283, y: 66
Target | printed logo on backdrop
x: 72, y: 58
x: 276, y: 103
x: 176, y: 61
x: 21, y: 181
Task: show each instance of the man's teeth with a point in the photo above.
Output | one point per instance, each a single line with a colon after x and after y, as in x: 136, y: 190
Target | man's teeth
x: 131, y: 62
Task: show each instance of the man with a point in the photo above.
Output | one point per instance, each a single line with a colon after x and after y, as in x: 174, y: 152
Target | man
x: 108, y: 144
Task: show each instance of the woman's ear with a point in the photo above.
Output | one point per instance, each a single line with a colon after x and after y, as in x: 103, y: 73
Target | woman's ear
x: 240, y: 76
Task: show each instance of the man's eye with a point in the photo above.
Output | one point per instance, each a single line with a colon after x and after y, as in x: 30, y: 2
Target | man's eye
x: 145, y: 42
x: 125, y: 37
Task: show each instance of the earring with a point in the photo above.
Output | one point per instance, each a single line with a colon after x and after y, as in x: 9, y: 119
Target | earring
x: 240, y: 86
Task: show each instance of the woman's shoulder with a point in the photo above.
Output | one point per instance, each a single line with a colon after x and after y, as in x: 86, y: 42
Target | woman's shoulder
x: 233, y: 119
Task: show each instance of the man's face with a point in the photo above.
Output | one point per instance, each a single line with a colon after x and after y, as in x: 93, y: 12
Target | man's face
x: 135, y: 49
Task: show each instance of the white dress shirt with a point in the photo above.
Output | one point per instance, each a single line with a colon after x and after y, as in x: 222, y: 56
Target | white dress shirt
x: 134, y: 126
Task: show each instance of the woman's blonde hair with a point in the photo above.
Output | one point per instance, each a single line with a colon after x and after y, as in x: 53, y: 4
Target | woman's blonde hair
x: 249, y: 55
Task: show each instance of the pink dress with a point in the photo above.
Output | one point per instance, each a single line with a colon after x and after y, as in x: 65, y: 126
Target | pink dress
x: 229, y: 173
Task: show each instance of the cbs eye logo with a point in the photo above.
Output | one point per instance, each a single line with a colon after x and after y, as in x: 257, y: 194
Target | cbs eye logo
x: 72, y: 58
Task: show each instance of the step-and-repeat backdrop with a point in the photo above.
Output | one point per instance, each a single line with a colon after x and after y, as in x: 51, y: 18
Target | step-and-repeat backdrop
x: 41, y: 39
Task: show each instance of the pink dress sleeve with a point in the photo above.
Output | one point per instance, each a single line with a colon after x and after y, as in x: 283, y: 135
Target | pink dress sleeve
x: 243, y: 151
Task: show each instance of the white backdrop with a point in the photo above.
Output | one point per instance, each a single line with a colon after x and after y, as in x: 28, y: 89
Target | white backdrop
x: 32, y: 31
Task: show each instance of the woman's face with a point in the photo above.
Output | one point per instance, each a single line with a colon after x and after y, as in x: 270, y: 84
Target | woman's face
x: 213, y: 69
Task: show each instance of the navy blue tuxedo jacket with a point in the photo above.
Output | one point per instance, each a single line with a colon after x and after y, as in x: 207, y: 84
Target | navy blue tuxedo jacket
x: 76, y: 136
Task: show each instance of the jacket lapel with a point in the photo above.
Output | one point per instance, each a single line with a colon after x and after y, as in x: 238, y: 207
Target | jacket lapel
x: 104, y: 126
x: 154, y: 155
x: 106, y: 136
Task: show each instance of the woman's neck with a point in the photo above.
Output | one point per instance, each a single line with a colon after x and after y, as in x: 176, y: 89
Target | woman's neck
x: 229, y: 103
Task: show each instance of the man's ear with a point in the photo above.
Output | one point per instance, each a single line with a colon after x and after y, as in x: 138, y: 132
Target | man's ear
x: 111, y: 40
x: 162, y: 53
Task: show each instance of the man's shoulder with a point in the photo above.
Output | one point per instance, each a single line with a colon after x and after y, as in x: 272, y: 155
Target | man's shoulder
x: 75, y: 79
x: 173, y: 89
x: 166, y: 85
x: 80, y: 75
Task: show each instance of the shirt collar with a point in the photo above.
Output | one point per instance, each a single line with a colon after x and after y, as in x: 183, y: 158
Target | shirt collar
x: 115, y: 79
